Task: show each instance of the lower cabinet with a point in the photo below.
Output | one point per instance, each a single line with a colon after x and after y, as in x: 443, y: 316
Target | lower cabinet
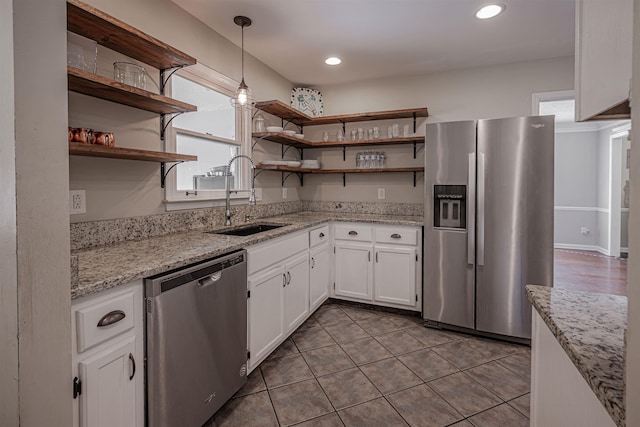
x: 395, y: 273
x: 108, y: 358
x: 278, y: 285
x: 354, y: 272
x: 319, y: 274
x: 378, y: 264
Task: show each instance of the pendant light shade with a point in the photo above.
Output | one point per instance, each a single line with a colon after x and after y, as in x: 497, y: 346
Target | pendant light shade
x: 243, y: 97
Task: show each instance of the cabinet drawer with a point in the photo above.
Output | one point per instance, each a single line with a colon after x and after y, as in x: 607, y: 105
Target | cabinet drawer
x: 356, y: 232
x: 400, y: 236
x: 319, y: 235
x: 272, y: 251
x: 115, y: 316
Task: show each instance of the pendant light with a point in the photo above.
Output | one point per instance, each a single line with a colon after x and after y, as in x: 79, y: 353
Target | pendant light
x: 243, y: 96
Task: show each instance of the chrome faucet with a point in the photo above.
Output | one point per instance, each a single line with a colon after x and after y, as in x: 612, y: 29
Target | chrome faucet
x: 252, y: 191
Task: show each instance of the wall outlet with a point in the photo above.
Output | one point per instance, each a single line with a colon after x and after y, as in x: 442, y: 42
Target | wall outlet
x: 77, y: 202
x: 284, y: 192
x: 584, y: 231
x: 381, y: 194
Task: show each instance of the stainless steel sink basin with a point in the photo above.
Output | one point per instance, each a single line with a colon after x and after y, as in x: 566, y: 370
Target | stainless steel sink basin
x: 248, y: 230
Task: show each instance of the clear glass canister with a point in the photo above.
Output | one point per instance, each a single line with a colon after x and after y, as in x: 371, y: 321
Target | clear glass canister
x: 258, y: 124
x: 130, y: 74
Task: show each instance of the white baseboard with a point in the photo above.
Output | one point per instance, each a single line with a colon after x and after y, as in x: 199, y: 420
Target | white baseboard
x: 624, y: 250
x: 576, y: 247
x: 592, y: 248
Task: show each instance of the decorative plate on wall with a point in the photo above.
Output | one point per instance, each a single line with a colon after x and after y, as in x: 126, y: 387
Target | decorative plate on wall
x: 307, y: 100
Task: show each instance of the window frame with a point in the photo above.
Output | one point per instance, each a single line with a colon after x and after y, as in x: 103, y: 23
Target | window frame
x: 179, y: 199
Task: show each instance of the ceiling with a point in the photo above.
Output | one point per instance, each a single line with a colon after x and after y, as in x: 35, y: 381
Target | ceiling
x: 383, y: 38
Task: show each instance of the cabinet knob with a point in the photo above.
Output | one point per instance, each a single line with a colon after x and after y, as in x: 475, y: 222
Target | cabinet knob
x: 321, y: 235
x: 353, y: 233
x: 396, y: 236
x: 284, y: 280
x: 110, y: 318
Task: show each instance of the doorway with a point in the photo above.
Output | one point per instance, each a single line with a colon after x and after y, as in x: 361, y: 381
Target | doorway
x: 589, y: 196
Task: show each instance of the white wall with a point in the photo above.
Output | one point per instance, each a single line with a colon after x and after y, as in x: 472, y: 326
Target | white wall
x: 125, y: 188
x: 486, y: 92
x: 8, y: 256
x: 603, y: 167
x: 576, y: 184
x: 42, y: 203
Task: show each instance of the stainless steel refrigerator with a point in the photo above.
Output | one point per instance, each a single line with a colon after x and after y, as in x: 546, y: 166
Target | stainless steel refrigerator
x: 488, y: 228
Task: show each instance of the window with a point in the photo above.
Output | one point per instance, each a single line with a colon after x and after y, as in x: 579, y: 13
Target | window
x: 215, y: 133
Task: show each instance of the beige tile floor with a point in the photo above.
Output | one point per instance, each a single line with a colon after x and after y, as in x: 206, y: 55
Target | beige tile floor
x: 350, y: 366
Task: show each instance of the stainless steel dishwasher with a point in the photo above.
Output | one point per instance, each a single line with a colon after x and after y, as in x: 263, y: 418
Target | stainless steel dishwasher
x: 196, y: 340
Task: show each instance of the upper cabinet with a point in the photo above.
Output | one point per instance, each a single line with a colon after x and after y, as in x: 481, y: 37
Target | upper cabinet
x: 603, y: 59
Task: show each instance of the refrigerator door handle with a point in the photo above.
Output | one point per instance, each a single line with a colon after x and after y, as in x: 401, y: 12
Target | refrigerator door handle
x: 471, y: 210
x: 480, y: 213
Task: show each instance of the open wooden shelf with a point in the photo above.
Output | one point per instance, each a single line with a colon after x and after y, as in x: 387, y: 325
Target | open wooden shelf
x: 90, y: 150
x: 101, y: 87
x: 114, y: 34
x: 284, y: 111
x: 331, y: 171
x: 283, y: 138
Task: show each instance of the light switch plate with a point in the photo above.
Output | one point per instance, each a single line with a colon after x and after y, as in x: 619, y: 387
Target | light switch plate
x: 381, y: 194
x: 284, y: 192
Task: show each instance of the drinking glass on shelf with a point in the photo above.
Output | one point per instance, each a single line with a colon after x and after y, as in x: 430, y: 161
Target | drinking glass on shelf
x: 383, y: 160
x: 353, y: 135
x: 395, y: 129
x: 325, y: 136
x: 340, y: 135
x: 405, y: 131
x: 369, y: 133
x: 376, y: 132
x: 360, y: 134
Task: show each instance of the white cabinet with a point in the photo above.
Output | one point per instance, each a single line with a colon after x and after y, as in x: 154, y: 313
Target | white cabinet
x: 266, y: 309
x: 560, y: 396
x: 319, y: 266
x: 603, y: 58
x: 354, y: 270
x: 278, y: 282
x: 378, y: 264
x: 296, y: 292
x: 108, y: 358
x: 395, y: 273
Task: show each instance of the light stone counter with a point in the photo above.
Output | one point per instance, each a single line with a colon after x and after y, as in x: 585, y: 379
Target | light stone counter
x: 590, y: 328
x: 105, y: 267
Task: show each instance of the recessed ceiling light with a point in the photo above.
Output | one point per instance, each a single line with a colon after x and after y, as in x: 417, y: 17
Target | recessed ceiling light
x: 332, y: 61
x: 490, y: 11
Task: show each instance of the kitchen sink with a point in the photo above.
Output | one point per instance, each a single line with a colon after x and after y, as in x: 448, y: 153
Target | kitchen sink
x: 248, y: 230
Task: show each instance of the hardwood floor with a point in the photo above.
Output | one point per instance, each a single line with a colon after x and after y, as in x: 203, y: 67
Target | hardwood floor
x: 590, y: 272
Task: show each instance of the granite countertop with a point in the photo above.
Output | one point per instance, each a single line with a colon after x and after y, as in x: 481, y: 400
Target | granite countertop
x: 106, y: 267
x: 590, y: 328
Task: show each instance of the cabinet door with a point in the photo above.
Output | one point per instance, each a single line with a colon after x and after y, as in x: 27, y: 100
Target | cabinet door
x: 319, y: 275
x: 354, y: 270
x: 109, y: 383
x: 265, y: 312
x: 296, y: 291
x: 395, y: 275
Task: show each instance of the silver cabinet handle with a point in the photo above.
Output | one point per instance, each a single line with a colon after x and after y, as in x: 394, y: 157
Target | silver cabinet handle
x: 369, y: 256
x: 376, y: 256
x: 396, y: 236
x: 353, y: 233
x: 321, y: 235
x: 110, y: 318
x: 480, y: 213
x: 313, y: 262
x: 133, y: 365
x: 288, y: 277
x: 471, y: 210
x: 284, y: 280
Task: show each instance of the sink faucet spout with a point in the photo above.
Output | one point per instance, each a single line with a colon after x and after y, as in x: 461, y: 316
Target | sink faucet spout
x: 252, y: 191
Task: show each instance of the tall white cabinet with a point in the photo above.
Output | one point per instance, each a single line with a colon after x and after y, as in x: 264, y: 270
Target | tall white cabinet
x: 319, y: 266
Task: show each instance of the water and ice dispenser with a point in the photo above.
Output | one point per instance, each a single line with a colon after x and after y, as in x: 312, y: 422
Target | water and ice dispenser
x: 450, y: 206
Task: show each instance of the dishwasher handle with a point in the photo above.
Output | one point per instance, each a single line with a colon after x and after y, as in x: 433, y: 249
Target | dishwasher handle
x: 210, y: 280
